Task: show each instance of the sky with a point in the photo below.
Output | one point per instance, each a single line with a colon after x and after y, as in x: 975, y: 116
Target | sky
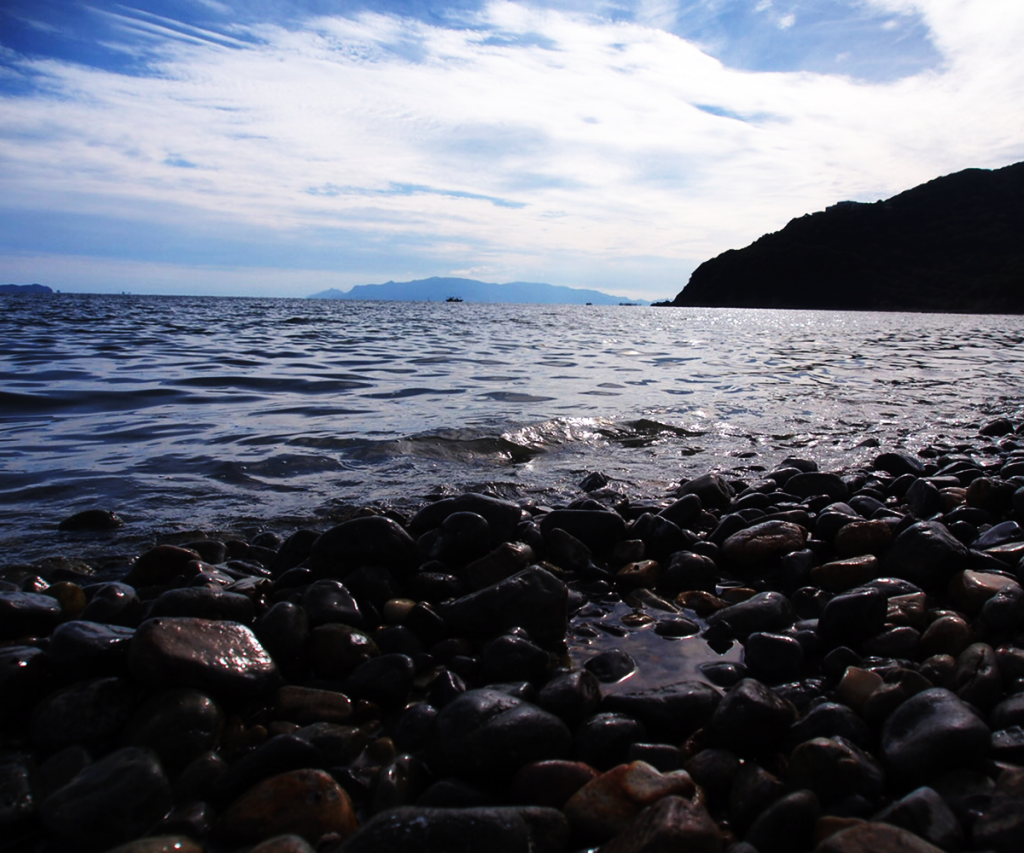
x: 283, y: 147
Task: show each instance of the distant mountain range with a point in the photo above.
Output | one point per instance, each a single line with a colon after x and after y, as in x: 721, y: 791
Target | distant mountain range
x: 25, y: 289
x: 469, y: 290
x: 954, y: 244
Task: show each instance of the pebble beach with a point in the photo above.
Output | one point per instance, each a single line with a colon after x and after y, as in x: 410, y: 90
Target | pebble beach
x: 479, y: 675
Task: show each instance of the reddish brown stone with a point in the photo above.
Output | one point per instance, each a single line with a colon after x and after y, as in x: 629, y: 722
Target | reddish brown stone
x: 609, y: 804
x: 307, y: 803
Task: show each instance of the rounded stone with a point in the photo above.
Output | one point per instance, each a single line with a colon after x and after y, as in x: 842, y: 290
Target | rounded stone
x: 88, y: 713
x: 114, y: 800
x: 224, y: 658
x: 608, y: 805
x: 26, y: 614
x: 485, y: 735
x: 371, y: 540
x: 178, y: 725
x: 760, y: 545
x: 752, y: 717
x: 306, y: 802
x: 931, y: 733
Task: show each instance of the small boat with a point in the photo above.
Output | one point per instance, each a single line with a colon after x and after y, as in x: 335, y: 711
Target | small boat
x: 453, y: 299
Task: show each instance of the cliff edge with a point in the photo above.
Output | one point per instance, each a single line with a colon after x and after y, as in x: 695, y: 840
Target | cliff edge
x: 953, y: 244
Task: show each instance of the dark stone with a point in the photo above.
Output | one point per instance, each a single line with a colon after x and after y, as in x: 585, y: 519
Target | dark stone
x: 460, y: 538
x: 88, y: 713
x: 496, y: 829
x: 661, y: 537
x: 27, y: 614
x: 112, y: 801
x: 925, y: 554
x: 17, y: 798
x: 113, y: 604
x: 714, y: 770
x: 599, y: 530
x: 1009, y: 712
x: 283, y: 630
x: 550, y: 783
x: 603, y: 741
x: 384, y: 680
x: 512, y: 658
x: 415, y: 726
x: 774, y: 657
x: 26, y: 674
x: 933, y: 732
x: 204, y: 603
x: 178, y: 725
x: 161, y: 565
x: 766, y: 611
x: 829, y: 720
x: 279, y: 754
x: 835, y: 770
x: 924, y: 813
x: 91, y: 649
x: 684, y: 511
x: 753, y: 790
x: 573, y: 696
x: 370, y: 540
x: 485, y: 736
x: 712, y: 489
x: 502, y: 517
x: 1001, y: 827
x: 91, y: 519
x: 758, y: 548
x: 224, y: 658
x: 852, y: 617
x: 687, y: 570
x: 330, y: 601
x: 787, y: 824
x: 336, y: 745
x: 898, y: 462
x: 335, y: 649
x: 611, y: 666
x: 752, y: 717
x: 669, y: 824
x: 811, y: 483
x: 671, y: 712
x: 976, y: 678
x: 532, y: 599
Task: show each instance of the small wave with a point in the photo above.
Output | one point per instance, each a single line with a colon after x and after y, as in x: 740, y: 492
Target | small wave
x: 412, y: 392
x: 515, y: 397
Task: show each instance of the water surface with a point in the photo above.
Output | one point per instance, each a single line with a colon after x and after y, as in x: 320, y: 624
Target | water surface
x: 184, y: 413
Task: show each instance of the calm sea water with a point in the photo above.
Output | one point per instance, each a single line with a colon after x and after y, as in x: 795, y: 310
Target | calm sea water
x: 187, y: 413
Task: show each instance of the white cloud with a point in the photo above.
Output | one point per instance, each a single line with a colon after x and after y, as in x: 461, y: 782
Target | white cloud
x: 611, y: 139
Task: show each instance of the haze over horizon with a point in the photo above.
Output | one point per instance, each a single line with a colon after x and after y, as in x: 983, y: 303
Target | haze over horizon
x: 285, y: 147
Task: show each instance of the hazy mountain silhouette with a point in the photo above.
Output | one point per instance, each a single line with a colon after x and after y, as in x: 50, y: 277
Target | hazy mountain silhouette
x: 953, y: 244
x: 469, y: 290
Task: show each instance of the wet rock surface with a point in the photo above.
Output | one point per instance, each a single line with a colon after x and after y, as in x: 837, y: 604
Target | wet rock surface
x: 793, y: 660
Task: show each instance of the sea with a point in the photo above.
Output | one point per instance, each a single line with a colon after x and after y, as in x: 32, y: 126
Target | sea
x: 197, y: 415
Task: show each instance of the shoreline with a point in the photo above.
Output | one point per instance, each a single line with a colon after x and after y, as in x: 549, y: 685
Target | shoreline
x: 461, y: 673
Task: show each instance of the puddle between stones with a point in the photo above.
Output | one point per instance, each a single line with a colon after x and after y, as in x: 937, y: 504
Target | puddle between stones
x: 599, y: 628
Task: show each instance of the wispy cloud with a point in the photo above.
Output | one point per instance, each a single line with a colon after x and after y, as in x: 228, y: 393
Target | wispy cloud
x: 513, y: 138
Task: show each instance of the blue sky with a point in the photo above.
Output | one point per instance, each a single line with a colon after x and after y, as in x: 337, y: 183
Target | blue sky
x: 281, y: 147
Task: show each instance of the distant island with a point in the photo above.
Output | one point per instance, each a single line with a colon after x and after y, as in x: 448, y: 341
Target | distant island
x: 954, y: 244
x: 469, y: 290
x: 25, y: 289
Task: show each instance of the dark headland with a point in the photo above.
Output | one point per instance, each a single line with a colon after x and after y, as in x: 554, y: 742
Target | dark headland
x: 25, y: 289
x: 954, y: 244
